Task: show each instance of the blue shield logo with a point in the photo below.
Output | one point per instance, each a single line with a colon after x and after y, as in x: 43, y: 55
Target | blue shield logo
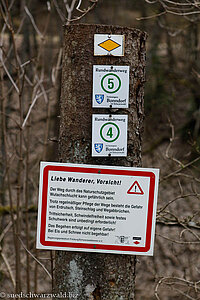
x: 98, y: 147
x: 99, y: 98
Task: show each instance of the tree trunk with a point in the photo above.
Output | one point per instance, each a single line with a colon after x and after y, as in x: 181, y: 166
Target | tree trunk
x: 96, y: 275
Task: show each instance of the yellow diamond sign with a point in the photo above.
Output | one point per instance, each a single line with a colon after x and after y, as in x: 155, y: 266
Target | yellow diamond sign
x: 109, y: 45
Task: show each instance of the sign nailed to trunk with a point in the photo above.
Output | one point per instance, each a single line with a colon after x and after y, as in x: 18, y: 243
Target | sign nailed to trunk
x: 87, y: 208
x: 110, y: 86
x: 109, y: 44
x: 109, y: 135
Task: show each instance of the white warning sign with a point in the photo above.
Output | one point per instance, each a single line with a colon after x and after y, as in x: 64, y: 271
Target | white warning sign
x: 110, y: 86
x: 91, y: 208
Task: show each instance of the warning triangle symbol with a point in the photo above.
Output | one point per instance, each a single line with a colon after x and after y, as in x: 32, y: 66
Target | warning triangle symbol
x: 135, y: 189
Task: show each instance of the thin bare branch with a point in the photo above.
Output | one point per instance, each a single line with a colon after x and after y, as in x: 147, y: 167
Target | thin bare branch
x: 9, y: 269
x: 152, y: 16
x: 43, y: 267
x: 181, y: 169
x: 33, y: 21
x: 178, y: 242
x: 7, y: 72
x: 38, y: 95
x: 6, y: 229
x: 60, y: 13
x: 84, y: 13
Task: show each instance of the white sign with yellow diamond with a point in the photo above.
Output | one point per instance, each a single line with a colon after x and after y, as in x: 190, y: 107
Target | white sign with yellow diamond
x: 109, y: 44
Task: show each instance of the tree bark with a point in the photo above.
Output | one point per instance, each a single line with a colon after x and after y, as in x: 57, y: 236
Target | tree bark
x: 94, y: 275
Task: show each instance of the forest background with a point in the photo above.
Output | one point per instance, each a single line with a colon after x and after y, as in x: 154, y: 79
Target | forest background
x: 30, y: 77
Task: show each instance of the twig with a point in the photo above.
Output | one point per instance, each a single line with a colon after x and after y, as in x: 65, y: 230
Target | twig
x: 177, y: 242
x: 54, y: 73
x: 178, y: 8
x: 70, y: 10
x: 173, y: 223
x: 170, y: 145
x: 6, y: 229
x: 7, y: 72
x: 78, y: 6
x: 177, y: 198
x: 60, y: 13
x: 152, y: 16
x: 43, y: 267
x: 9, y: 269
x: 184, y: 294
x: 177, y: 171
x: 84, y: 13
x: 33, y: 22
x: 32, y: 105
x: 189, y: 283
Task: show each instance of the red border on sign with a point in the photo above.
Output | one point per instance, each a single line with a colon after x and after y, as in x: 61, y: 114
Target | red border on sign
x: 91, y: 170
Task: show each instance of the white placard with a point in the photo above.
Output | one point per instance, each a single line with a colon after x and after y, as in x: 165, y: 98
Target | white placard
x: 109, y: 135
x: 97, y: 208
x: 110, y: 86
x: 106, y: 44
